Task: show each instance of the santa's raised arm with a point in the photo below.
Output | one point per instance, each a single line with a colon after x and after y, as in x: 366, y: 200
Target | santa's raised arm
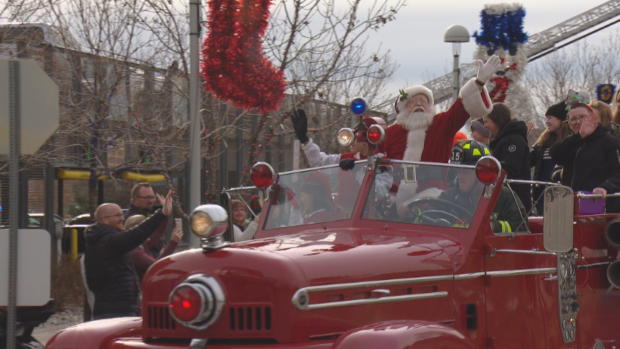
x: 419, y: 134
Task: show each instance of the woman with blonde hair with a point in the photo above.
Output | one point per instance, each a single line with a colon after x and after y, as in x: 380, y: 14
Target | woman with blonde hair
x: 141, y: 255
x: 603, y: 114
x: 615, y: 108
x: 540, y: 160
x: 242, y: 229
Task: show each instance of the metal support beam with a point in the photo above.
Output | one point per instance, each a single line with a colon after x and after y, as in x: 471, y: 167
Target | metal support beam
x: 48, y: 189
x: 61, y: 191
x: 15, y: 143
x: 194, y: 107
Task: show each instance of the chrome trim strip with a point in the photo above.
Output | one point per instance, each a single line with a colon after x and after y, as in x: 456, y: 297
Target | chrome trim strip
x: 409, y: 297
x: 427, y: 164
x: 589, y: 196
x: 504, y: 273
x: 379, y: 283
x: 301, y: 298
x: 232, y: 190
x: 593, y: 265
x: 525, y: 181
x: 527, y: 252
x: 468, y: 276
x: 198, y: 343
x: 317, y: 168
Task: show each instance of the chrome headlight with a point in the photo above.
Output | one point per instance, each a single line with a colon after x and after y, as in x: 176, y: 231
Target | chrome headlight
x: 208, y: 220
x: 345, y: 137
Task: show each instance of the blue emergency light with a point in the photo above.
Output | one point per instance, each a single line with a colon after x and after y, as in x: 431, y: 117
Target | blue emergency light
x: 359, y: 106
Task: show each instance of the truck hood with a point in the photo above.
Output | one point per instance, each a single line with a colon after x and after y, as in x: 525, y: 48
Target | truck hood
x: 334, y: 256
x: 266, y: 275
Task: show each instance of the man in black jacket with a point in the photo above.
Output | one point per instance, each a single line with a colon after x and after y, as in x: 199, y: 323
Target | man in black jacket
x: 110, y: 272
x: 591, y: 157
x: 142, y: 203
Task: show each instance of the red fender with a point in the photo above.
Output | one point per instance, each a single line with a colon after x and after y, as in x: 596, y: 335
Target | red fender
x: 404, y: 334
x: 96, y: 334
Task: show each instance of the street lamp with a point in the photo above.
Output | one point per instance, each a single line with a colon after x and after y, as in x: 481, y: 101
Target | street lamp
x: 456, y: 34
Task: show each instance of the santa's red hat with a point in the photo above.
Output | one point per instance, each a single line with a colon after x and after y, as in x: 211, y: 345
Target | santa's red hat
x: 405, y: 95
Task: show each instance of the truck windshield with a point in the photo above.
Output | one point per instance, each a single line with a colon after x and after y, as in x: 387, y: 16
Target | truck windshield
x: 439, y: 195
x: 318, y: 195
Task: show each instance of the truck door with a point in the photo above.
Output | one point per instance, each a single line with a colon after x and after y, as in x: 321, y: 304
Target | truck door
x: 521, y: 291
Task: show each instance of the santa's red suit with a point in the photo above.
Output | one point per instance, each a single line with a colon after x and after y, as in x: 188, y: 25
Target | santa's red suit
x: 432, y: 143
x: 428, y: 138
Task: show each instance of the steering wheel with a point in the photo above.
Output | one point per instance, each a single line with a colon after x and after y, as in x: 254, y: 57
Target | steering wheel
x: 437, y: 216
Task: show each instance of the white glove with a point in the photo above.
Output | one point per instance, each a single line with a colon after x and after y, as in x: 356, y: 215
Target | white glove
x: 486, y: 70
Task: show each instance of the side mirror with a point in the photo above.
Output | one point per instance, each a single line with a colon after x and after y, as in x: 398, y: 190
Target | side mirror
x: 558, y: 219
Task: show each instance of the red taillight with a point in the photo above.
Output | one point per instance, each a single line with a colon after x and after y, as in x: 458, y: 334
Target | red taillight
x: 262, y: 175
x: 186, y: 303
x: 488, y: 170
x: 375, y: 134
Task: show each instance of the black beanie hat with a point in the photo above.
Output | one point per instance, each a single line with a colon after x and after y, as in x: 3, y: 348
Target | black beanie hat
x: 558, y: 110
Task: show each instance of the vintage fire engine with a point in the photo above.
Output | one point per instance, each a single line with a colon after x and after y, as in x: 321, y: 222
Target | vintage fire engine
x: 334, y: 265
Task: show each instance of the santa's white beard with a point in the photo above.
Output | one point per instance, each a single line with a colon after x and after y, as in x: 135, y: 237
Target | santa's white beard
x: 416, y: 123
x: 415, y: 120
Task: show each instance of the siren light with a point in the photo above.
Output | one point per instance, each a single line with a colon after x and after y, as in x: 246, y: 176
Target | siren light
x: 262, y: 175
x: 375, y: 134
x: 359, y: 106
x: 488, y: 170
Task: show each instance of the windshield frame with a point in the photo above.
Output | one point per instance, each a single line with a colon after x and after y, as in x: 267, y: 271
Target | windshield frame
x: 292, y: 180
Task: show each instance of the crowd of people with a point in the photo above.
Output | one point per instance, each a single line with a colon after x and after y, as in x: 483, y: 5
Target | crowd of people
x: 579, y: 148
x: 121, y: 247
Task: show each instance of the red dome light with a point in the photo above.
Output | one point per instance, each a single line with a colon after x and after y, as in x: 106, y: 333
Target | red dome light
x: 488, y: 170
x: 375, y: 134
x: 186, y: 303
x: 262, y: 175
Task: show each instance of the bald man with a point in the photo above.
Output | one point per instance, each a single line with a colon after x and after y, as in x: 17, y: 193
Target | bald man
x: 110, y: 273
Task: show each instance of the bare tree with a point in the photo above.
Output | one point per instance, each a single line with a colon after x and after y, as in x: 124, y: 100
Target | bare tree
x: 321, y: 45
x: 19, y: 10
x: 582, y: 66
x: 122, y: 71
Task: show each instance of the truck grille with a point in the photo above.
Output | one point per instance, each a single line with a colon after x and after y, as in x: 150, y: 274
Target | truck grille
x: 159, y: 318
x: 250, y: 318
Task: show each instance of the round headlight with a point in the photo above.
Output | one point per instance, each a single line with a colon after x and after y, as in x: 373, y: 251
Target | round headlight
x: 345, y: 137
x: 207, y: 220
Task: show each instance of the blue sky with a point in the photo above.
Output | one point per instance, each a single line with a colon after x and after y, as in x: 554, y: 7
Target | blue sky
x: 415, y: 39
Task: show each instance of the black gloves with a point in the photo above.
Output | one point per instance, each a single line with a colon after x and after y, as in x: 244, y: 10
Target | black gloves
x: 347, y: 164
x: 300, y: 123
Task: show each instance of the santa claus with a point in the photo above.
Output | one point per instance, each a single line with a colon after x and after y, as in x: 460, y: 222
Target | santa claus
x: 419, y: 134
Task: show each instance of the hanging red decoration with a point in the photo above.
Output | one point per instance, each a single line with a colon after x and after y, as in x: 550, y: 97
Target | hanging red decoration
x: 499, y: 92
x: 233, y: 66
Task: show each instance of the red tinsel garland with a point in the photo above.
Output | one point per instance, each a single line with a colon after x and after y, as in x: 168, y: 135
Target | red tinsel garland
x: 498, y: 94
x: 233, y: 65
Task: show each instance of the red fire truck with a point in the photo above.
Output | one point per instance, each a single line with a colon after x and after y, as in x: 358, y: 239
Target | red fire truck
x: 334, y: 264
